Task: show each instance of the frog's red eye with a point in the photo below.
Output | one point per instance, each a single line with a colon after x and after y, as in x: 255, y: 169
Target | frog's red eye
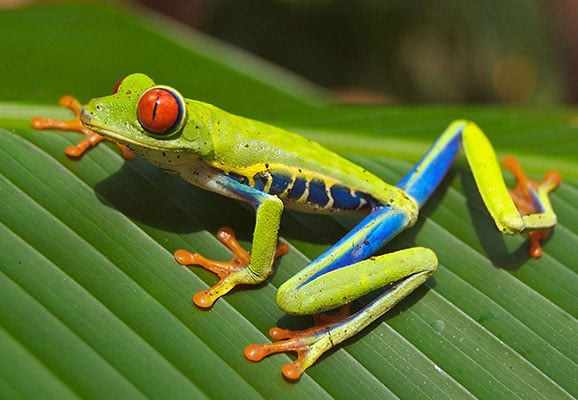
x: 117, y: 85
x: 161, y: 110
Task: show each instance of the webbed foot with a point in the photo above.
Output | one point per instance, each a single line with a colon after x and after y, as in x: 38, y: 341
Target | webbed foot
x: 309, y: 344
x: 230, y: 273
x: 527, y: 197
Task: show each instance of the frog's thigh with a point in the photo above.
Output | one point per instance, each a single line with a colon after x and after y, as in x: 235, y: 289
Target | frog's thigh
x: 404, y: 270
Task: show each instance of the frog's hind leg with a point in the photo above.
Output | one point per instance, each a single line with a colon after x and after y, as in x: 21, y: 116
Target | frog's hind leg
x: 526, y: 209
x: 400, y: 273
x: 347, y: 271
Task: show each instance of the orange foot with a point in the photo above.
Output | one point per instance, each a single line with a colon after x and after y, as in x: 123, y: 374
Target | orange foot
x: 91, y: 139
x: 527, y: 199
x: 309, y: 344
x: 228, y: 271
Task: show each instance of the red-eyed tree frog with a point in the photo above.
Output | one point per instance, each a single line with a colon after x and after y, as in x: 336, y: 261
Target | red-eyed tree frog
x: 271, y: 169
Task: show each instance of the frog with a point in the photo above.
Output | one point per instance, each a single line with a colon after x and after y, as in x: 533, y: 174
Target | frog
x: 273, y: 169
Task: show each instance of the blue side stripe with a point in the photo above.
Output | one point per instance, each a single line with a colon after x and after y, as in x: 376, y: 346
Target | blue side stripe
x: 317, y: 194
x: 297, y: 189
x: 343, y: 199
x: 280, y: 183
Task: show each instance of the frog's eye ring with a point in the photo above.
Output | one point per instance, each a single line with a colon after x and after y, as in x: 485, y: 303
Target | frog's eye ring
x: 161, y: 111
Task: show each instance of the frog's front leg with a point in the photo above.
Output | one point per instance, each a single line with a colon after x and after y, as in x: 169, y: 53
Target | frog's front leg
x: 244, y: 268
x: 91, y: 138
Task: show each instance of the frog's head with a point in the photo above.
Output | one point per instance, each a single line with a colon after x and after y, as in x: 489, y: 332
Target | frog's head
x: 142, y: 115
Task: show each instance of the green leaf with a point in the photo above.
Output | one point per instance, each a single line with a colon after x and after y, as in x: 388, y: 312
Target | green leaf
x: 92, y: 304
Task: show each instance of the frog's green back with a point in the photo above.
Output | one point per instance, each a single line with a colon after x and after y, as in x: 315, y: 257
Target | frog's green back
x: 253, y: 149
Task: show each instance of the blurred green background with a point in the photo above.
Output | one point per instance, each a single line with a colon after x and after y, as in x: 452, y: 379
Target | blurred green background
x: 512, y: 51
x: 451, y: 51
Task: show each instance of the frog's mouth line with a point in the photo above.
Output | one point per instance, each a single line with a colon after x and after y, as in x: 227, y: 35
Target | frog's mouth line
x: 115, y: 137
x: 86, y: 119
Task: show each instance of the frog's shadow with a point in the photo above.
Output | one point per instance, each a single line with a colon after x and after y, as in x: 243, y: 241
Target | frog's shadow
x: 166, y: 202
